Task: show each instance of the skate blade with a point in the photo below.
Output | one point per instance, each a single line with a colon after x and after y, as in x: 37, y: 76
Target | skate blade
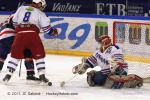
x: 5, y: 82
x: 46, y: 84
x: 43, y: 83
x: 30, y: 82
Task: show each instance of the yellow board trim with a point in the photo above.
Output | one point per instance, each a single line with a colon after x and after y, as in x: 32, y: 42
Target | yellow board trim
x: 86, y: 54
x: 138, y: 59
x: 70, y: 53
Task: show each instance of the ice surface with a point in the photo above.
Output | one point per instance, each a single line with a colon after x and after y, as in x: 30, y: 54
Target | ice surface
x: 58, y: 68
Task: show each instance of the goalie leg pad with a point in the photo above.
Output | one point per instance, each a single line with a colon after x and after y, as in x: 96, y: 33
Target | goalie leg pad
x: 96, y: 78
x: 134, y: 81
x: 90, y: 76
x: 113, y: 84
x: 129, y: 81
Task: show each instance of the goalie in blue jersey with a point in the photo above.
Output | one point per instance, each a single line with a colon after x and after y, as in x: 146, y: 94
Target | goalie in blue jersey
x: 114, y: 70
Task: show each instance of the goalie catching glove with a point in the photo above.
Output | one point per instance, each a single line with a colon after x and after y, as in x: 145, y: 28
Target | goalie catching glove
x: 81, y: 68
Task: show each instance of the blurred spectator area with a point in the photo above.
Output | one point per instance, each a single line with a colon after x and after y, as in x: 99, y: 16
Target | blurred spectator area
x: 11, y: 5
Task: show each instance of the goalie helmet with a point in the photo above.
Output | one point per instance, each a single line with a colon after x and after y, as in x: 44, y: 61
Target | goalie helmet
x: 43, y: 2
x: 104, y: 41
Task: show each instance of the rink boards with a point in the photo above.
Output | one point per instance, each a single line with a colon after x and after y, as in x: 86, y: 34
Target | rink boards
x: 78, y: 34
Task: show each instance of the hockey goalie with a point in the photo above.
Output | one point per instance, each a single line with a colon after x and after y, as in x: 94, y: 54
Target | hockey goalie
x: 114, y: 70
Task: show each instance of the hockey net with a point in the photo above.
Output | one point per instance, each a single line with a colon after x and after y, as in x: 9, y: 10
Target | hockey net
x: 134, y: 38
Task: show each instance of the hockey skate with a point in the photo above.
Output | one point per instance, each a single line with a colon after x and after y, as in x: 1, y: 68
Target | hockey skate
x: 44, y: 80
x: 6, y: 78
x: 32, y: 78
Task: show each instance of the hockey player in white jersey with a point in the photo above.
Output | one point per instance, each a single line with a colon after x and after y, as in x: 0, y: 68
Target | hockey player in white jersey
x: 111, y: 60
x: 7, y: 35
x: 28, y: 21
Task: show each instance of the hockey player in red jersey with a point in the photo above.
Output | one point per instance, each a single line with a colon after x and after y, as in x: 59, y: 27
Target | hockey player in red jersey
x: 28, y: 21
x: 7, y: 35
x: 113, y: 73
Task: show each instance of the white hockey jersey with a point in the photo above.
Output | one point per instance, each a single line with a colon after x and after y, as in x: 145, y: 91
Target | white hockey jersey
x: 102, y: 59
x: 28, y: 14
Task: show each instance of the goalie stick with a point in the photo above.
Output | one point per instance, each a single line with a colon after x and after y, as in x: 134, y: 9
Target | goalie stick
x: 70, y: 79
x: 146, y: 79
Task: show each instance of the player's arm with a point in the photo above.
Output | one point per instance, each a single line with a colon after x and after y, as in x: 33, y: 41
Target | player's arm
x: 7, y: 23
x: 4, y: 23
x: 117, y: 64
x: 89, y: 62
x: 122, y: 69
x: 118, y: 67
x: 46, y: 27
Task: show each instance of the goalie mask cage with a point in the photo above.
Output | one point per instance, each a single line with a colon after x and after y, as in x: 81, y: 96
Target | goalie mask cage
x: 134, y: 38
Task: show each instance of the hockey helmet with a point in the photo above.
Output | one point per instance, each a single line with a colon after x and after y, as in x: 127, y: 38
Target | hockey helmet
x: 43, y: 2
x: 104, y: 40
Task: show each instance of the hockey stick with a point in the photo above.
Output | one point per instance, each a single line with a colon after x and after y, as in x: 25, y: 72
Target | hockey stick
x: 20, y: 4
x: 64, y: 82
x: 20, y: 68
x: 70, y: 79
x: 146, y: 79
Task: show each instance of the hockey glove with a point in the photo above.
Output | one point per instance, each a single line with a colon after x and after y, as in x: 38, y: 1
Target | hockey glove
x: 81, y: 68
x: 53, y: 32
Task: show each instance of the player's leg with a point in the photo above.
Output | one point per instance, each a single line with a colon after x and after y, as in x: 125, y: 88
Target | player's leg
x: 11, y: 67
x: 16, y: 55
x: 5, y: 47
x: 124, y: 81
x: 29, y: 64
x: 1, y: 64
x: 2, y: 56
x: 96, y: 78
x: 40, y: 64
x: 38, y: 53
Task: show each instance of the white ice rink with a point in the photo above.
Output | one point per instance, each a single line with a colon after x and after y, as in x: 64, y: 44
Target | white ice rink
x: 58, y: 68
